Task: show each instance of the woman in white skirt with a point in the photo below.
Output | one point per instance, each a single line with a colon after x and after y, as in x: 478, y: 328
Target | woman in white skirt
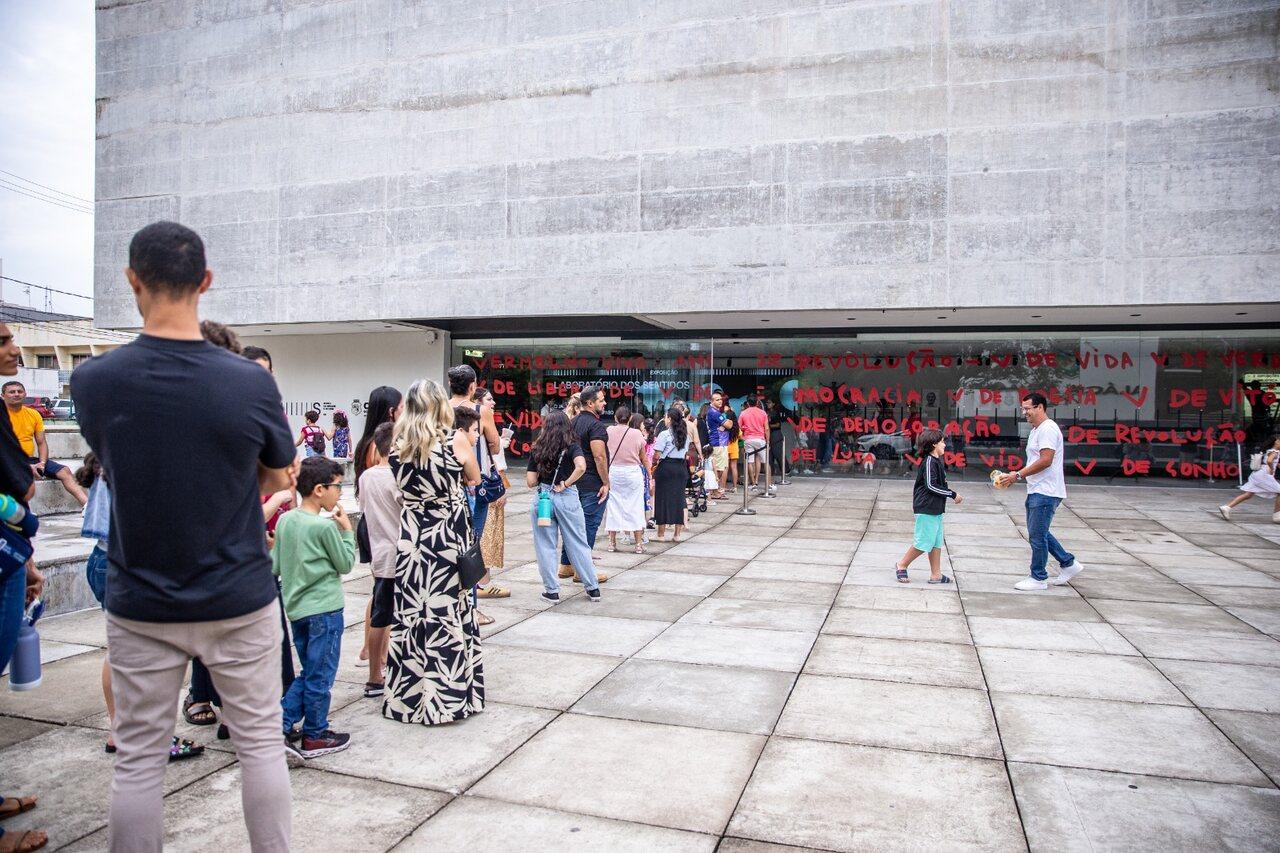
x: 625, y: 511
x: 1261, y: 482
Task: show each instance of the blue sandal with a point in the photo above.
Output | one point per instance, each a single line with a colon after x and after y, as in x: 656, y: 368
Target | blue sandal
x: 943, y: 579
x: 901, y: 574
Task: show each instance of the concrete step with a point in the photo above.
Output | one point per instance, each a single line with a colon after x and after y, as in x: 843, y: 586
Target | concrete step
x: 65, y: 443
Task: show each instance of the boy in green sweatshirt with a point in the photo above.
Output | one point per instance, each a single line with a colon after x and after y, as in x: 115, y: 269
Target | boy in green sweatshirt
x: 311, y: 555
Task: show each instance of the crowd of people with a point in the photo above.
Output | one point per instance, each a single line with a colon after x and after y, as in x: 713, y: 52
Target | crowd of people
x: 217, y: 549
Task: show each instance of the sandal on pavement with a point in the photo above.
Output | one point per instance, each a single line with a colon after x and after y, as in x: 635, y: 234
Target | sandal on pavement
x: 482, y: 619
x: 11, y: 806
x: 373, y: 690
x: 943, y: 579
x: 181, y: 750
x: 15, y: 842
x: 640, y: 549
x: 198, y: 713
x: 493, y: 591
x: 901, y: 575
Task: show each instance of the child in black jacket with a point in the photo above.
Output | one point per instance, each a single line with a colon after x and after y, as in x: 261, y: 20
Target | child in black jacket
x: 929, y: 502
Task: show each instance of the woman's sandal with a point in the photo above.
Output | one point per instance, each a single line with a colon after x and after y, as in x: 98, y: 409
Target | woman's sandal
x: 203, y: 717
x: 373, y: 690
x: 24, y: 842
x: 943, y: 579
x: 482, y: 619
x: 179, y: 750
x: 901, y: 575
x: 640, y: 549
x: 10, y: 806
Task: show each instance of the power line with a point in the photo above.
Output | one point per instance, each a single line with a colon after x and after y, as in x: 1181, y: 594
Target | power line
x: 42, y: 287
x: 44, y: 186
x: 4, y: 185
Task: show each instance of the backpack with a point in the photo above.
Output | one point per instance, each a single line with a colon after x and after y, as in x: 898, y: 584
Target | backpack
x: 316, y: 440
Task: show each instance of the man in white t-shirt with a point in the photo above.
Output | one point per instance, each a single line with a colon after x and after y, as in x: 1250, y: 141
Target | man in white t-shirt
x: 1046, y: 487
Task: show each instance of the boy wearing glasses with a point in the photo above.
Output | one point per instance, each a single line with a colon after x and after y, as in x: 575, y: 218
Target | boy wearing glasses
x: 311, y: 554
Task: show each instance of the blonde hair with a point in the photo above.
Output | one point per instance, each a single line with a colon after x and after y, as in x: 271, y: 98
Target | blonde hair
x: 424, y: 422
x: 574, y: 407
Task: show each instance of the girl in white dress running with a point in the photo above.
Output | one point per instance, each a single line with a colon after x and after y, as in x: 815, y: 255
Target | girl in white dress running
x: 1261, y: 482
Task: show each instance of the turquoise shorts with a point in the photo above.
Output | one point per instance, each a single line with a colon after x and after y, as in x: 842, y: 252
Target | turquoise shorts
x: 928, y: 533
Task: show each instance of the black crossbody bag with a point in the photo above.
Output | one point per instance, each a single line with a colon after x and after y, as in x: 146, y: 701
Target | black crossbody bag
x: 470, y: 562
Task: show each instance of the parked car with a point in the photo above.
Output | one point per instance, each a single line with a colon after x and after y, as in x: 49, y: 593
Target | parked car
x: 64, y: 410
x: 42, y: 406
x: 886, y: 445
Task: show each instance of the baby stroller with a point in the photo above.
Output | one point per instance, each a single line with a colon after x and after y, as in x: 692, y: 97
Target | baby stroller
x: 696, y: 492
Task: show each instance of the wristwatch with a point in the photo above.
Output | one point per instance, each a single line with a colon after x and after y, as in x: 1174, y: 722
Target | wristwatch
x: 1017, y: 475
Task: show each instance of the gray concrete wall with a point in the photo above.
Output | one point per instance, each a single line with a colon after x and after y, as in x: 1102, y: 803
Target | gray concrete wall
x: 393, y: 159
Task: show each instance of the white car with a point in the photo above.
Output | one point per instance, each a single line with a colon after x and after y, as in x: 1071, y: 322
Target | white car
x: 63, y: 409
x: 886, y: 445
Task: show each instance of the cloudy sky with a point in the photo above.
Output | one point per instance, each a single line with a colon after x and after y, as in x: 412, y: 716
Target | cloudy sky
x: 46, y: 137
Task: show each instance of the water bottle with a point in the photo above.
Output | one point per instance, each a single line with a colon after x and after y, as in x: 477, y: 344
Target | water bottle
x: 16, y: 516
x: 544, y: 508
x: 24, y: 670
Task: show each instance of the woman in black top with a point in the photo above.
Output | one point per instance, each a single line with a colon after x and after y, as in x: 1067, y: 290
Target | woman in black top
x: 671, y: 474
x: 556, y: 463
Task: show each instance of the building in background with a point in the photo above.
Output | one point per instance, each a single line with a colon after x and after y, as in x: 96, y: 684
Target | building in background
x: 54, y: 344
x: 874, y: 214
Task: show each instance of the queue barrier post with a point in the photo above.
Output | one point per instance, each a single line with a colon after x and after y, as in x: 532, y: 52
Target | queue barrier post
x: 770, y: 490
x: 783, y: 481
x: 746, y: 510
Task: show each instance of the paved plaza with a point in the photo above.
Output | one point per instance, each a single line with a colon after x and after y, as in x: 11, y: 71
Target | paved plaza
x: 768, y: 683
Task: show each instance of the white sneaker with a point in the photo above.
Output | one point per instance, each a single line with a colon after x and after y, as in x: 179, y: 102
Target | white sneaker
x: 1027, y: 584
x: 1065, y: 575
x: 1225, y: 511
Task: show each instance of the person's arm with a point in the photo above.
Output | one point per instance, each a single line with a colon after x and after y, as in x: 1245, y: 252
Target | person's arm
x: 42, y: 445
x: 531, y: 479
x: 340, y: 542
x: 272, y: 480
x: 465, y: 453
x: 275, y: 556
x: 933, y: 478
x: 600, y: 455
x: 272, y: 504
x: 301, y: 437
x: 328, y: 433
x: 489, y: 429
x: 1043, y: 461
x: 579, y: 468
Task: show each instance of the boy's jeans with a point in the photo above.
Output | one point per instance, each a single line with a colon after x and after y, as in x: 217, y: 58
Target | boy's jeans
x: 567, y: 520
x: 318, y: 640
x: 592, y: 510
x: 1040, y: 510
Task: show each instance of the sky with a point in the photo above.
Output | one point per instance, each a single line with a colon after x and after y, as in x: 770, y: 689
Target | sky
x: 46, y: 136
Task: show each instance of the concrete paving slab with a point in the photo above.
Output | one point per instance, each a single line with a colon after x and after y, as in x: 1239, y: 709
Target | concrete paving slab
x: 795, y: 572
x: 1126, y: 590
x: 68, y: 770
x: 1250, y: 580
x: 1237, y: 596
x: 88, y: 627
x: 722, y: 698
x: 483, y: 825
x: 701, y: 566
x: 1154, y: 615
x: 1265, y: 619
x: 759, y: 589
x: 808, y: 543
x: 866, y: 798
x: 668, y: 776
x: 1233, y: 686
x: 747, y: 845
x: 582, y: 634
x: 717, y: 645
x: 986, y: 582
x: 327, y: 808
x: 70, y: 690
x: 732, y: 552
x: 520, y: 676
x: 884, y: 576
x: 785, y: 553
x: 1179, y: 644
x: 460, y: 752
x: 1256, y: 734
x: 910, y: 661
x: 1027, y: 605
x: 1091, y: 676
x: 675, y: 583
x: 1158, y: 740
x: 921, y: 598
x: 15, y: 730
x: 922, y: 717
x: 1044, y: 634
x: 52, y: 650
x: 624, y: 603
x: 898, y: 625
x: 775, y: 615
x: 1067, y: 809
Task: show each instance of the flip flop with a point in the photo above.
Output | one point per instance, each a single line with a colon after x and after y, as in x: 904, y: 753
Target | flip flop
x: 943, y: 579
x: 901, y: 575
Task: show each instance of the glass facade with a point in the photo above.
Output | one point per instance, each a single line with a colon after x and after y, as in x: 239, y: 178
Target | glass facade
x: 1179, y: 407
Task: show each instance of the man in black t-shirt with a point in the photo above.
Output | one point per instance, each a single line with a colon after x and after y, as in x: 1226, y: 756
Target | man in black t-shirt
x: 593, y: 488
x: 190, y: 436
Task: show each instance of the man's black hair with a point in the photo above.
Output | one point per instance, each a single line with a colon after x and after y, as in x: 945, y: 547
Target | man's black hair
x: 588, y: 395
x: 316, y: 471
x: 168, y: 257
x: 460, y: 379
x: 1037, y: 399
x: 257, y: 354
x: 10, y: 383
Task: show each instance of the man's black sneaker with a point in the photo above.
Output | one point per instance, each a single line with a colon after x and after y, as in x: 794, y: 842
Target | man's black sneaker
x: 223, y: 732
x: 593, y: 594
x: 553, y: 597
x: 328, y: 742
x: 293, y: 736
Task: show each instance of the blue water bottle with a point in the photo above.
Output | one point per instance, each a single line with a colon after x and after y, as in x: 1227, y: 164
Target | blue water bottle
x: 544, y: 507
x: 24, y: 670
x: 16, y: 516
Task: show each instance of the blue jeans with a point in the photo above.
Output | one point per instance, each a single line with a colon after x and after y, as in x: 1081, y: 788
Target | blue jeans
x: 592, y: 516
x: 1040, y: 510
x: 13, y: 599
x: 95, y: 572
x: 318, y: 640
x: 479, y: 515
x: 566, y: 521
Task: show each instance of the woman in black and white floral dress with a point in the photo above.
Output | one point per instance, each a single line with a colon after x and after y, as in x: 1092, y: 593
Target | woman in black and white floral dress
x: 434, y: 671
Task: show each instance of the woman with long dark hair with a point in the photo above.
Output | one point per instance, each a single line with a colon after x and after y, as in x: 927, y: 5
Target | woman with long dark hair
x: 671, y: 475
x: 555, y: 464
x: 384, y: 405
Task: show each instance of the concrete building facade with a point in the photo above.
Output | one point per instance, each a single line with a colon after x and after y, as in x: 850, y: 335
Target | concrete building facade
x: 611, y: 173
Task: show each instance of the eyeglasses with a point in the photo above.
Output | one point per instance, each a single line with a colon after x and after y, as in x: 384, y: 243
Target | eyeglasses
x: 331, y: 486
